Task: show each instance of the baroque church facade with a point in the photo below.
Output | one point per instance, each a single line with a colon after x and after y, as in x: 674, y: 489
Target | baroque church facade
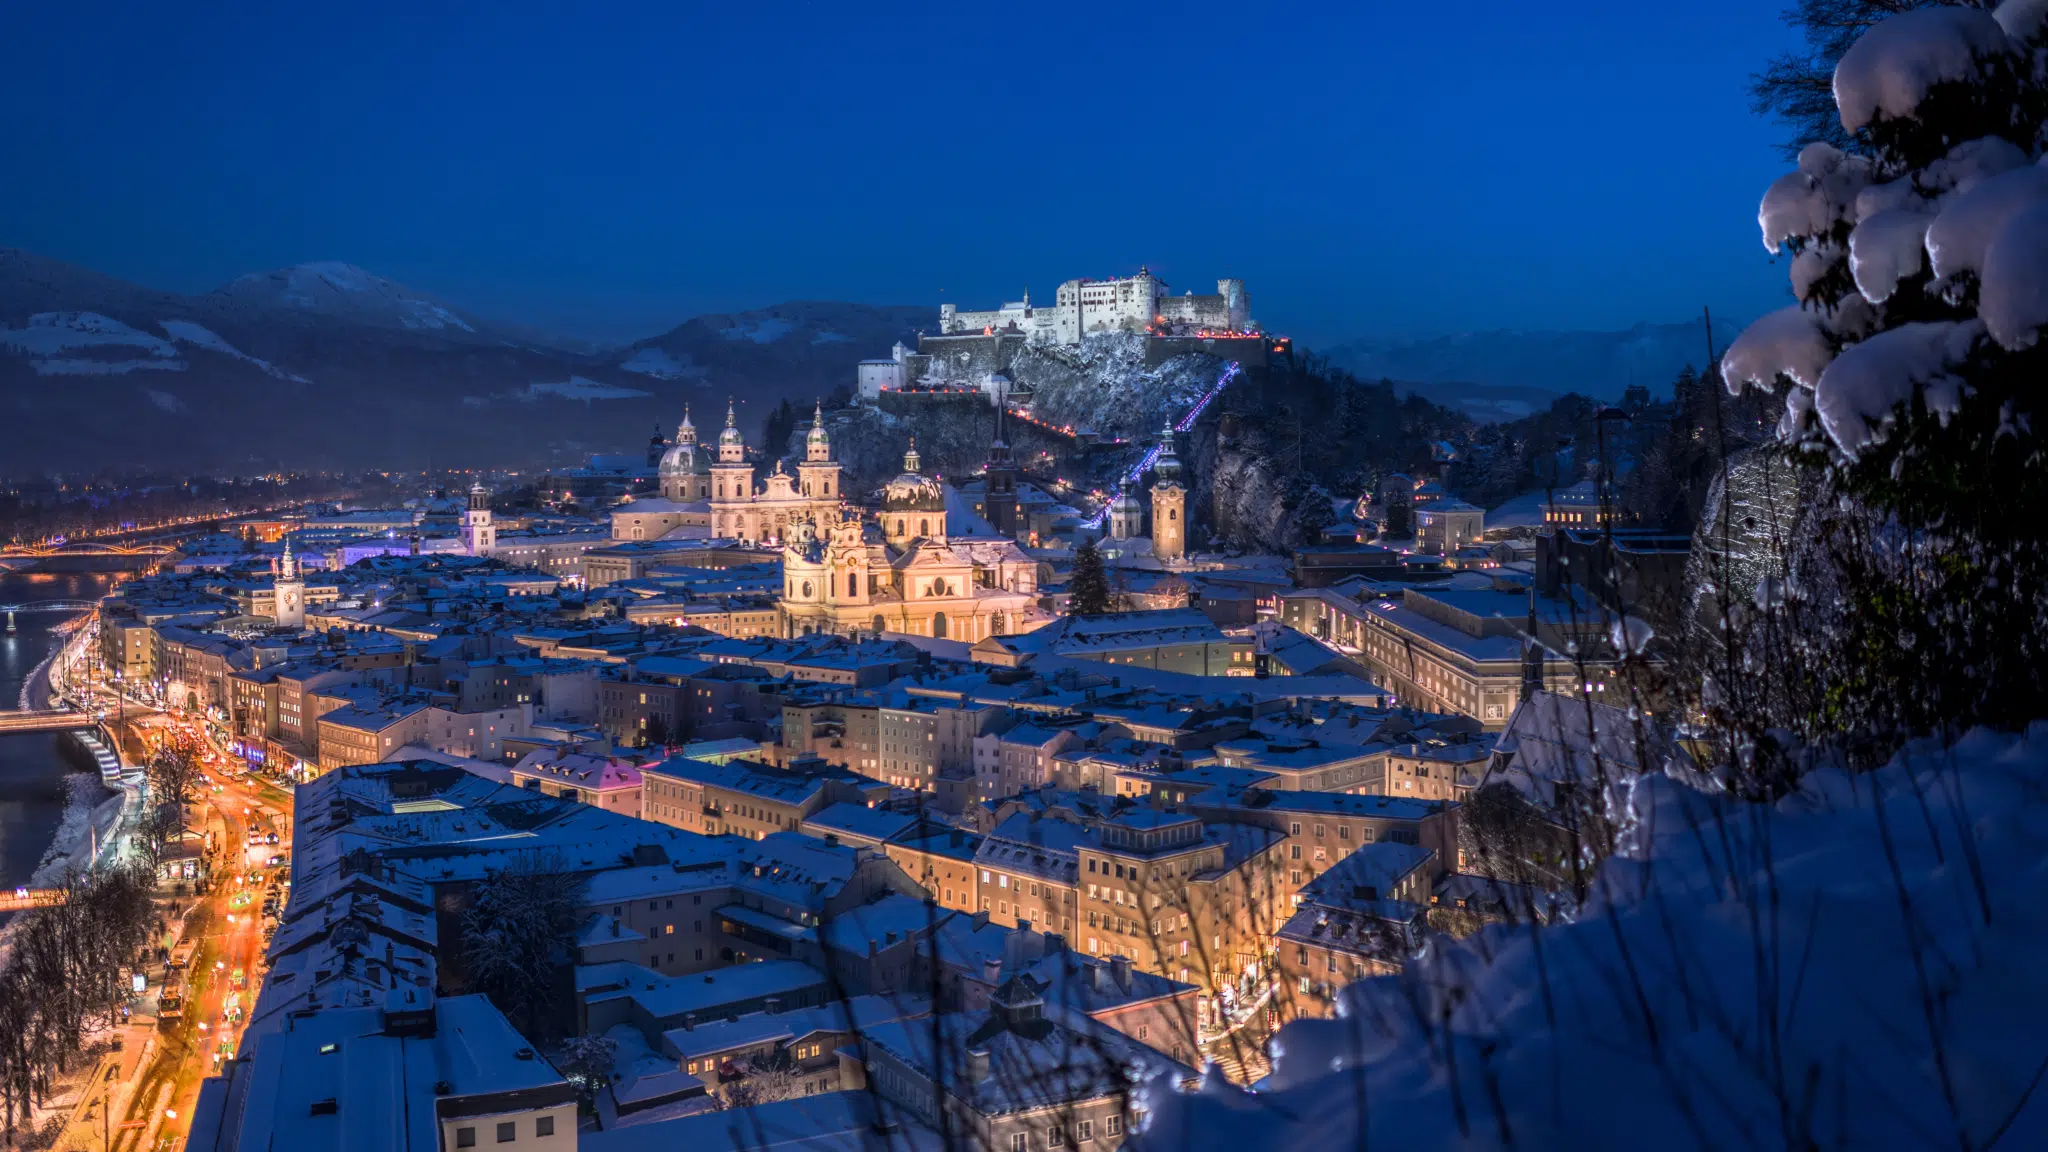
x: 903, y: 572
x: 713, y: 491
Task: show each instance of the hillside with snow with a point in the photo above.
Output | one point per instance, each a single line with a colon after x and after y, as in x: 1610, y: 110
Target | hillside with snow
x: 1105, y: 386
x: 1852, y: 967
x: 800, y: 350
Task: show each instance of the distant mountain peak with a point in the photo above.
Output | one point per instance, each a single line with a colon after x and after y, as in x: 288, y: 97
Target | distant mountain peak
x: 344, y: 290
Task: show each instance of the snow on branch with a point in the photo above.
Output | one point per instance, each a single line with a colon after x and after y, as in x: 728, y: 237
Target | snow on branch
x: 1890, y: 68
x: 1860, y: 391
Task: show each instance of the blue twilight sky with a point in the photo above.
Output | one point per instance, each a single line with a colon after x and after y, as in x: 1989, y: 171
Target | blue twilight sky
x: 609, y: 169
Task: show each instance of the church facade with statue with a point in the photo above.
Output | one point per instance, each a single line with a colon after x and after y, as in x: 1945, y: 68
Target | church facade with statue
x: 903, y: 572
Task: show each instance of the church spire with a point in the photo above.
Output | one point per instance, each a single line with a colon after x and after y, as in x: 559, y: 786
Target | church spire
x: 910, y: 460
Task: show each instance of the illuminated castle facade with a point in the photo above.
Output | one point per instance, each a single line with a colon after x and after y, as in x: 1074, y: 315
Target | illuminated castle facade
x: 1140, y: 303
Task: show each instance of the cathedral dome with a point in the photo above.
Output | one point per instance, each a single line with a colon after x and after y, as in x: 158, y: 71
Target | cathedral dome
x: 913, y: 491
x: 1127, y: 502
x: 681, y: 459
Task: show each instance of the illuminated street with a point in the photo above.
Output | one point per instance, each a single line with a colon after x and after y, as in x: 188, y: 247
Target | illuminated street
x: 224, y: 923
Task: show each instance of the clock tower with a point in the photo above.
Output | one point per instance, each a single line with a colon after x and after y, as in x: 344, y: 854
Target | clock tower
x: 289, y: 609
x: 477, y: 530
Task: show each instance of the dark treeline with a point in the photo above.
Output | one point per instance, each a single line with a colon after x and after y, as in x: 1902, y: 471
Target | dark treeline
x: 64, y: 972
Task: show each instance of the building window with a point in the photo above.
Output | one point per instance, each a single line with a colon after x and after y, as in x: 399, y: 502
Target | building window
x: 508, y: 1131
x: 465, y: 1137
x: 545, y: 1126
x: 1020, y: 1142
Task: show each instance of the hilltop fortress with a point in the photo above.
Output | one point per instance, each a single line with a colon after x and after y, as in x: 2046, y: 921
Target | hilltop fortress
x: 1140, y: 303
x: 971, y: 349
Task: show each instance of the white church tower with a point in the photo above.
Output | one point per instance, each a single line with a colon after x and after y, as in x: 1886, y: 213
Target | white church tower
x: 289, y: 607
x: 477, y: 530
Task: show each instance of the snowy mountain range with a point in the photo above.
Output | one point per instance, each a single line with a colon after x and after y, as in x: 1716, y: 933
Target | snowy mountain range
x: 326, y: 365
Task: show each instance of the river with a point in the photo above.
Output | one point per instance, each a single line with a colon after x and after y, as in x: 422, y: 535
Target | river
x: 32, y: 770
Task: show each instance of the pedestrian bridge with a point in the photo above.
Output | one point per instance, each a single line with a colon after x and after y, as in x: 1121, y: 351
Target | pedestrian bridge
x: 43, y: 720
x: 23, y: 899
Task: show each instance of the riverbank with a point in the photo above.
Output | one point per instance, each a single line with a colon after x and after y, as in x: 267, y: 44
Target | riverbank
x: 91, y: 815
x: 34, y: 797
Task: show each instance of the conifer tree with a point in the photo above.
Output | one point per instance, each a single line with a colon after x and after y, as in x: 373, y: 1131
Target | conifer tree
x: 1910, y: 371
x: 1088, y: 586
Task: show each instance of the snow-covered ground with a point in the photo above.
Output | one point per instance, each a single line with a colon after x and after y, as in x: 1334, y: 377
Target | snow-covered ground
x: 90, y: 812
x: 1524, y: 511
x: 339, y: 289
x: 1853, y: 967
x: 49, y: 336
x: 1105, y: 385
x: 186, y: 332
x: 766, y: 330
x: 656, y: 362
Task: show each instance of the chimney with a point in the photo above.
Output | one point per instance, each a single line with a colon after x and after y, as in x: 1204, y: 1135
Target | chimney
x: 1120, y: 969
x: 992, y: 971
x: 689, y: 1021
x: 1017, y: 948
x: 977, y: 1065
x: 1054, y: 944
x: 981, y: 919
x: 773, y: 1005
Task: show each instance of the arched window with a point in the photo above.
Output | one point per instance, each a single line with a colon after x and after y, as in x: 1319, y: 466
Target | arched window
x: 899, y: 526
x: 1173, y: 513
x: 939, y: 626
x: 852, y: 584
x: 924, y: 527
x: 807, y: 589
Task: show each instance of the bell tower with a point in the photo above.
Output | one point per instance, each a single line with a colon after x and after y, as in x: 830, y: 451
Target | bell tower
x: 290, y: 592
x: 477, y: 530
x: 999, y: 478
x: 1169, y: 505
x: 818, y: 474
x: 732, y: 484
